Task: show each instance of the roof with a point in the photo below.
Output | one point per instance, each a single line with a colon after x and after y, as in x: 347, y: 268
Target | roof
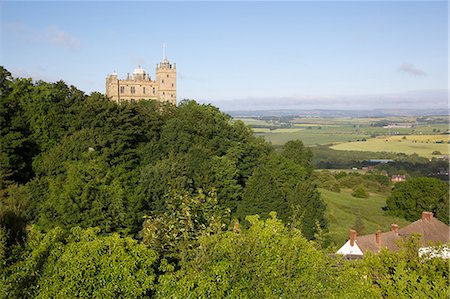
x: 431, y: 231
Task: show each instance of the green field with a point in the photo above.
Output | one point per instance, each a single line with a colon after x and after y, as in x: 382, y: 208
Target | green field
x: 342, y: 209
x: 314, y: 135
x: 422, y: 145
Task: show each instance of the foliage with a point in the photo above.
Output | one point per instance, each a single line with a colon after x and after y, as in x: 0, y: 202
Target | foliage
x: 269, y: 187
x: 360, y: 192
x: 409, y: 199
x: 297, y: 152
x: 308, y: 209
x: 404, y: 274
x: 80, y: 264
x: 186, y: 218
x: 266, y: 261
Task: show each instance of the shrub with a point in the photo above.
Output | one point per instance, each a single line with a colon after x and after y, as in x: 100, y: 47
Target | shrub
x: 360, y: 192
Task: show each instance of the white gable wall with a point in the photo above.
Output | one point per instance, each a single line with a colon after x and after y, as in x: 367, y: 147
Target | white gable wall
x: 352, y: 250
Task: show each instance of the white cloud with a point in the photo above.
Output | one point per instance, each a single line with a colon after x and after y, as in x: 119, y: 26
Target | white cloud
x: 411, y: 69
x: 50, y: 35
x: 61, y: 38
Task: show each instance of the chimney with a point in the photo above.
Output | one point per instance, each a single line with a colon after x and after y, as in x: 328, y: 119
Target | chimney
x: 394, y: 228
x: 352, y: 237
x: 427, y: 215
x: 378, y: 238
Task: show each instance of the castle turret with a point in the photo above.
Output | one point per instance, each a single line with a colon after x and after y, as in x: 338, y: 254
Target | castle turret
x: 112, y: 86
x: 166, y: 77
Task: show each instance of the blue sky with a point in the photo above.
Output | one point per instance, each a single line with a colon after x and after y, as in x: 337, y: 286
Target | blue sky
x: 242, y: 55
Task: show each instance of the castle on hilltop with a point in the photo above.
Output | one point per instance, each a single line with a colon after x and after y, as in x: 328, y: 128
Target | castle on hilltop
x: 140, y: 86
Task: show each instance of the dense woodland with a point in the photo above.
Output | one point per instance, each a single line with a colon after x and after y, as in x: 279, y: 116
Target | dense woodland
x: 148, y: 200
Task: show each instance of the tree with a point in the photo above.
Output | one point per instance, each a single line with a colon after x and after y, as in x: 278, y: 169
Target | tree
x: 297, y: 152
x: 80, y: 264
x: 308, y: 209
x: 268, y: 188
x: 268, y: 260
x: 409, y: 199
x: 360, y: 192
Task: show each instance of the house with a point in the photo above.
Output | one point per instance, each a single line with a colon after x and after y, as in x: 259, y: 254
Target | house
x: 431, y: 230
x: 396, y: 178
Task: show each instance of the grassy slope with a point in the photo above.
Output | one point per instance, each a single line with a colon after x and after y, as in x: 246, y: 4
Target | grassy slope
x: 342, y: 209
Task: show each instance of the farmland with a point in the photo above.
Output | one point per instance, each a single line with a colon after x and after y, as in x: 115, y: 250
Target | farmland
x: 422, y: 145
x: 409, y: 135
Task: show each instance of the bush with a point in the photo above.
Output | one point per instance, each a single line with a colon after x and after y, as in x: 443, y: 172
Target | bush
x: 360, y: 192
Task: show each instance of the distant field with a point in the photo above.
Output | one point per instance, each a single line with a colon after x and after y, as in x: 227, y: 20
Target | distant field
x: 310, y: 137
x: 315, y: 131
x: 342, y: 209
x: 423, y: 145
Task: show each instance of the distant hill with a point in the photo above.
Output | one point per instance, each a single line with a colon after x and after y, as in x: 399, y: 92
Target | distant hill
x: 337, y: 113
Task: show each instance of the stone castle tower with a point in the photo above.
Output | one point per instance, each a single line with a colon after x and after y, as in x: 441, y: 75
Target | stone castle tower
x: 140, y: 86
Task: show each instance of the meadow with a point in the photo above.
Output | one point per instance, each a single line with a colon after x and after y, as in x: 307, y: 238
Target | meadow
x: 422, y: 145
x: 343, y: 208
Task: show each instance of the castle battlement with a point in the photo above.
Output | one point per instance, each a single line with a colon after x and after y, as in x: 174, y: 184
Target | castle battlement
x: 140, y: 86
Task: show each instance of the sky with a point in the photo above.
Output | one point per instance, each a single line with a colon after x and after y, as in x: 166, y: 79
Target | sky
x: 242, y: 55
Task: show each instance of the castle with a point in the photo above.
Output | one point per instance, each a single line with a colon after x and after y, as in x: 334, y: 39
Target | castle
x: 140, y: 86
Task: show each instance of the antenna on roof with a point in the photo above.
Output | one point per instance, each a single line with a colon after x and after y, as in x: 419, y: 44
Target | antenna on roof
x: 164, y: 51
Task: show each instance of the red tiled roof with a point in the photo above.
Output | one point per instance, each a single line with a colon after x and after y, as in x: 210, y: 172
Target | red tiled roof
x: 431, y: 231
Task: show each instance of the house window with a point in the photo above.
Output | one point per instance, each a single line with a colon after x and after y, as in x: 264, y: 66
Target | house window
x: 122, y: 89
x: 133, y: 89
x: 143, y: 90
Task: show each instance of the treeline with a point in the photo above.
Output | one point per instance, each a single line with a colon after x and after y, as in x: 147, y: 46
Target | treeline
x: 415, y: 166
x: 148, y: 200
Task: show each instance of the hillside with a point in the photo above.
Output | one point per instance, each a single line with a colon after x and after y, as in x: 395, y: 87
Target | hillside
x: 343, y: 208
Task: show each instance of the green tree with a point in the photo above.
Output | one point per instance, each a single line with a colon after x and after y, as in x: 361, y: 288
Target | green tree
x: 409, y: 199
x: 268, y: 188
x: 81, y: 264
x: 360, y: 192
x: 308, y: 209
x: 297, y: 152
x: 268, y: 260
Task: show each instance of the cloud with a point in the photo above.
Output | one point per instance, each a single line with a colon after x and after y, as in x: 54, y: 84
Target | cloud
x: 61, y: 38
x: 411, y: 69
x: 50, y: 35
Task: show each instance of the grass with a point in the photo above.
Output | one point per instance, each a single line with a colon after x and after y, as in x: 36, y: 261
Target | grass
x: 342, y: 209
x: 422, y: 145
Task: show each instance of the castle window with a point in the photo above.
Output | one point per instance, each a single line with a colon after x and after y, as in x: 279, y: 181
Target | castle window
x: 167, y: 75
x: 162, y: 81
x: 172, y: 84
x: 122, y: 89
x: 153, y: 90
x: 164, y: 93
x: 143, y: 90
x: 133, y: 89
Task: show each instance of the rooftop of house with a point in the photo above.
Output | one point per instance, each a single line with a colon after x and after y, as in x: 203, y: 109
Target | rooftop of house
x: 431, y: 230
